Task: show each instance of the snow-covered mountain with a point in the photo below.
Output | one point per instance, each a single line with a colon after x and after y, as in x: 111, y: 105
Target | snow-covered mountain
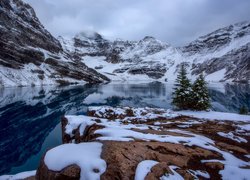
x: 30, y: 55
x: 223, y: 55
x: 147, y: 59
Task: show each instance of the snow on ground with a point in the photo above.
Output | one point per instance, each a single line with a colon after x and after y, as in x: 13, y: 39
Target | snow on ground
x: 75, y: 121
x: 216, y: 115
x: 208, y: 115
x: 199, y: 173
x: 143, y: 168
x: 173, y: 176
x: 138, y: 113
x: 245, y: 127
x: 86, y: 155
x: 230, y: 135
x: 18, y: 176
x: 117, y: 131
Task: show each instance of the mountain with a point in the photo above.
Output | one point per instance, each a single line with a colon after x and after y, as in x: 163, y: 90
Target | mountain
x: 30, y: 55
x: 222, y: 55
x: 123, y: 60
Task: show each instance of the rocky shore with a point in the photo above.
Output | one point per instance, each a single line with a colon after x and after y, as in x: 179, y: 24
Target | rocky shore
x: 149, y: 143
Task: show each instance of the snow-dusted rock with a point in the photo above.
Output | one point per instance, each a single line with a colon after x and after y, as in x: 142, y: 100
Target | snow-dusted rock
x: 87, y: 156
x: 147, y: 143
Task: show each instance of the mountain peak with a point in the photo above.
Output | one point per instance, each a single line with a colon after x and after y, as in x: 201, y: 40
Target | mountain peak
x: 92, y: 35
x: 148, y: 38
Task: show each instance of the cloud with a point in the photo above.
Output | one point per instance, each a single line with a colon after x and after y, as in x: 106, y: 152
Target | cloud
x: 174, y: 21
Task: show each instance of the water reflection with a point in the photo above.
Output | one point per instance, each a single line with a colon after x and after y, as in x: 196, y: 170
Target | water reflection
x: 229, y: 97
x: 29, y: 117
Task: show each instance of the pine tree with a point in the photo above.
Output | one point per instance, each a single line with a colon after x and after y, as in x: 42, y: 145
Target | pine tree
x: 200, y: 97
x: 181, y: 95
x: 243, y: 110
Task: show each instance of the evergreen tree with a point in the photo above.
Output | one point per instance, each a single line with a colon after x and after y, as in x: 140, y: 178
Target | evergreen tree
x: 181, y: 95
x: 200, y: 97
x: 243, y: 110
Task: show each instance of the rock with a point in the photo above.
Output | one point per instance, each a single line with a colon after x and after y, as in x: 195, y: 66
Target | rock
x: 123, y: 157
x: 154, y: 72
x: 158, y: 171
x: 215, y: 165
x: 71, y: 172
x: 30, y: 178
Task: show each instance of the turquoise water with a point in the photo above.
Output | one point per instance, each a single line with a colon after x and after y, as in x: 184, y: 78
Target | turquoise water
x: 30, y: 116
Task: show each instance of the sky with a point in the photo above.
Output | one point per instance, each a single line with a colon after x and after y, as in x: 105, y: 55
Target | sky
x: 176, y: 22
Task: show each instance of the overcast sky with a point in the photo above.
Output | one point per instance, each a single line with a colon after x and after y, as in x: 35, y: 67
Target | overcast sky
x: 174, y: 21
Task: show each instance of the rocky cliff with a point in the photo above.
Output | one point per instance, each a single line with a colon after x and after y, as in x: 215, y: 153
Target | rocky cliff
x: 30, y: 55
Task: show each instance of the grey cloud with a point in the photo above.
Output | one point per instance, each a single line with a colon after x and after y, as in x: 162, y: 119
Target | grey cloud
x: 174, y: 21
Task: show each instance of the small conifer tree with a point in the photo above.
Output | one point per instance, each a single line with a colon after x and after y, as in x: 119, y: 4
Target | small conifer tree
x: 182, y: 90
x: 243, y: 110
x: 200, y: 97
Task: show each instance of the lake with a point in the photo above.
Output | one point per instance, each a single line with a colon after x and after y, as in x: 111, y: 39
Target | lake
x: 30, y: 116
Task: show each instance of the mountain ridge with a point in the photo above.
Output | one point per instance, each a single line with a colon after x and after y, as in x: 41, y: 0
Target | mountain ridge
x: 30, y: 55
x: 223, y: 53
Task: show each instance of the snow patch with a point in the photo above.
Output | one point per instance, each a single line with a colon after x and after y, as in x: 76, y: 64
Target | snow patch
x: 77, y: 121
x: 212, y: 115
x: 172, y: 176
x: 143, y: 168
x: 199, y: 173
x: 233, y: 137
x: 86, y: 155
